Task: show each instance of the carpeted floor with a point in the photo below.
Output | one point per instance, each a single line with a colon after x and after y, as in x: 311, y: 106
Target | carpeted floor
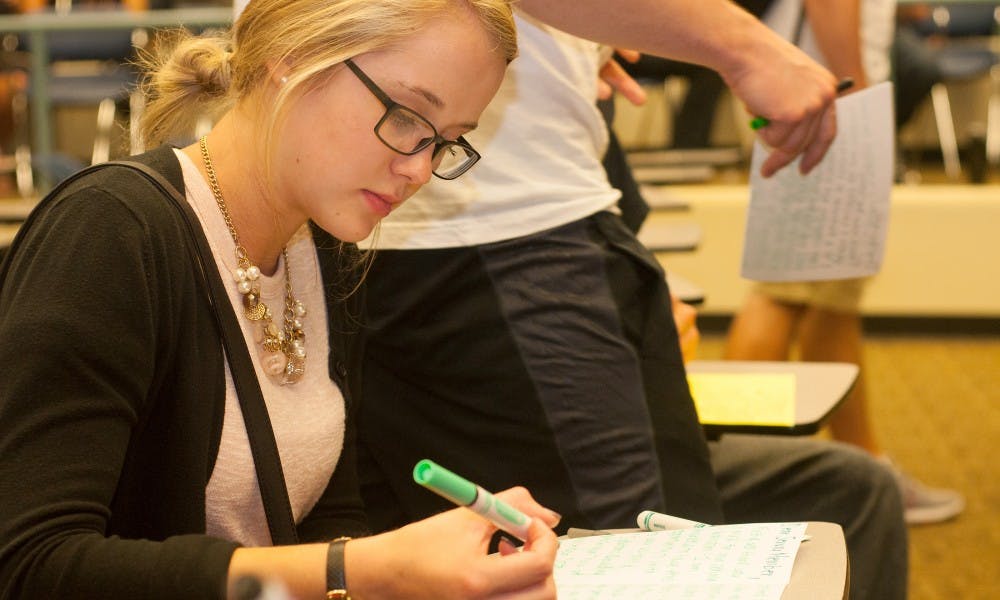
x: 935, y: 401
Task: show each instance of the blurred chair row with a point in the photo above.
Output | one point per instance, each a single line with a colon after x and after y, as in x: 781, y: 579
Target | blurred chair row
x: 86, y: 68
x: 967, y: 47
x: 957, y: 42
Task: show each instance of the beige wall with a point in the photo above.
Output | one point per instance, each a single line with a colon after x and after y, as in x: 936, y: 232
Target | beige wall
x: 942, y: 255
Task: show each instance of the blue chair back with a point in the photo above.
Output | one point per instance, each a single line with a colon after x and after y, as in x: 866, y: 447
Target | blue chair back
x: 956, y: 19
x: 85, y: 45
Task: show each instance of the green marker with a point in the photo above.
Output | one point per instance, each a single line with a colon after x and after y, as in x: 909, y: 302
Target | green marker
x: 761, y: 122
x: 465, y: 493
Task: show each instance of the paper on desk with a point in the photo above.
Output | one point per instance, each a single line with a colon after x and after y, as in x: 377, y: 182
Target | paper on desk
x: 744, y: 398
x: 728, y: 561
x: 831, y: 223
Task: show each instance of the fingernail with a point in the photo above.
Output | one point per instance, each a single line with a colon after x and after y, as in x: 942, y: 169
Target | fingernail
x: 507, y: 541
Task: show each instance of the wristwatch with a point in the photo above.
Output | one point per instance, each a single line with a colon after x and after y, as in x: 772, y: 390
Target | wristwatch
x: 336, y: 578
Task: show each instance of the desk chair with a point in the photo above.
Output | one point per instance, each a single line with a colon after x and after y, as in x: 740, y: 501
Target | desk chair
x: 87, y: 68
x: 688, y: 155
x: 670, y: 236
x: 663, y: 199
x: 685, y: 290
x: 969, y: 30
x: 820, y: 387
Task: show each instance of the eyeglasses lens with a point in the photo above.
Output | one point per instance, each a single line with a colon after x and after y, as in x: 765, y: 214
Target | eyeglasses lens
x: 408, y: 133
x: 405, y: 131
x: 451, y: 160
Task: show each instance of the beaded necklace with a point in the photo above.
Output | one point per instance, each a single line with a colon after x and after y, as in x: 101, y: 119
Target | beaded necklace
x: 282, y: 350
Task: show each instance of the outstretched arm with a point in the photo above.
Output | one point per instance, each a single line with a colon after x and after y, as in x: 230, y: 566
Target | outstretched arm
x: 770, y: 76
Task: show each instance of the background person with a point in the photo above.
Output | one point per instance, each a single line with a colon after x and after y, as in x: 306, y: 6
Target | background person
x: 518, y: 331
x: 822, y: 318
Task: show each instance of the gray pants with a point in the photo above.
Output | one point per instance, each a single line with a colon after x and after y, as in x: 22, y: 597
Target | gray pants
x: 768, y: 478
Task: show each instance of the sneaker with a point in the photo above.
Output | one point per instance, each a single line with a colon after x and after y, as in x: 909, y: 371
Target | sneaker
x: 923, y: 504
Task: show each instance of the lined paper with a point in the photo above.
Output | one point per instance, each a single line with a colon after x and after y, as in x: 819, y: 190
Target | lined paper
x: 724, y: 562
x: 831, y: 223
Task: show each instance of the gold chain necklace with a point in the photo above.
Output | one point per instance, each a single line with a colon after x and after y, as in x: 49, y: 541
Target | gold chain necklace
x: 283, y: 351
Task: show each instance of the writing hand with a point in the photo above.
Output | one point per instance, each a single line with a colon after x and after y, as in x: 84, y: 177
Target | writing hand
x: 445, y: 556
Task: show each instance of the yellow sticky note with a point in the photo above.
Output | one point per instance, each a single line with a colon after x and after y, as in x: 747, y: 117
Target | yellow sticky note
x: 744, y: 398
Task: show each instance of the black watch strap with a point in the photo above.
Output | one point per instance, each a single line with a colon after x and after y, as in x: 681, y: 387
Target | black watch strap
x: 336, y: 577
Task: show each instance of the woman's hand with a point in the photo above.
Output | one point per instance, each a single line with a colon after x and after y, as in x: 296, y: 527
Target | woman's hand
x: 445, y: 556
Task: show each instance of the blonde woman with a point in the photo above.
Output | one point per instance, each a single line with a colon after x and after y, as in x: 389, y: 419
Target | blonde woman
x: 126, y: 466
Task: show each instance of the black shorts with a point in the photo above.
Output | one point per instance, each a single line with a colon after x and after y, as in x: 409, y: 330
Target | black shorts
x: 549, y: 361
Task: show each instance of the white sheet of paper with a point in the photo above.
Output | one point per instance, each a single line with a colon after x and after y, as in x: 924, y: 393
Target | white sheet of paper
x: 831, y: 223
x: 727, y: 561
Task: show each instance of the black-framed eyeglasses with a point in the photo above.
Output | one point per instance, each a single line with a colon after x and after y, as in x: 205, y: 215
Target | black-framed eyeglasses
x: 404, y: 131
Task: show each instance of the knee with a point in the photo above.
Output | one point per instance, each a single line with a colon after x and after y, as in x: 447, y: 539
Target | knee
x: 881, y: 482
x: 875, y: 530
x: 869, y: 484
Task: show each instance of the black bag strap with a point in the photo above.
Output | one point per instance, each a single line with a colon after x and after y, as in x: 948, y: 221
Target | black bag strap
x: 270, y: 477
x: 263, y: 446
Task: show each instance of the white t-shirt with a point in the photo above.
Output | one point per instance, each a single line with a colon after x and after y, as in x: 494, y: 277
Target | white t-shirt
x: 542, y: 140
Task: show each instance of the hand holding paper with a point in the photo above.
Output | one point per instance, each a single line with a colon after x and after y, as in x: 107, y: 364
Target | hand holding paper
x: 832, y: 223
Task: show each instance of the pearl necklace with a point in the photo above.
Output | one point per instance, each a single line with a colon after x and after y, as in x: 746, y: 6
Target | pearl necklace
x: 282, y: 350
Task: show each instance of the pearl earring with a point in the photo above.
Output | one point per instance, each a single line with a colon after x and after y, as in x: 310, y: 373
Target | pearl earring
x: 284, y: 79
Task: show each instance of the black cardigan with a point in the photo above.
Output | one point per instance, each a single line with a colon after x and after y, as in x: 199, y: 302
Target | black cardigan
x: 112, y: 393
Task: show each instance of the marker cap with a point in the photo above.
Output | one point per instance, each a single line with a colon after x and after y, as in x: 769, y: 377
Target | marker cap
x: 442, y: 481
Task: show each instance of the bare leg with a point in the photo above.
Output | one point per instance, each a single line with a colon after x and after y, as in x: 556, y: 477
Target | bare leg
x: 827, y: 335
x: 763, y: 329
x: 766, y: 329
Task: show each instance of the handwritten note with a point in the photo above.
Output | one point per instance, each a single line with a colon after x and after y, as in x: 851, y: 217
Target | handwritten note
x: 728, y: 561
x: 831, y: 223
x: 744, y: 398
